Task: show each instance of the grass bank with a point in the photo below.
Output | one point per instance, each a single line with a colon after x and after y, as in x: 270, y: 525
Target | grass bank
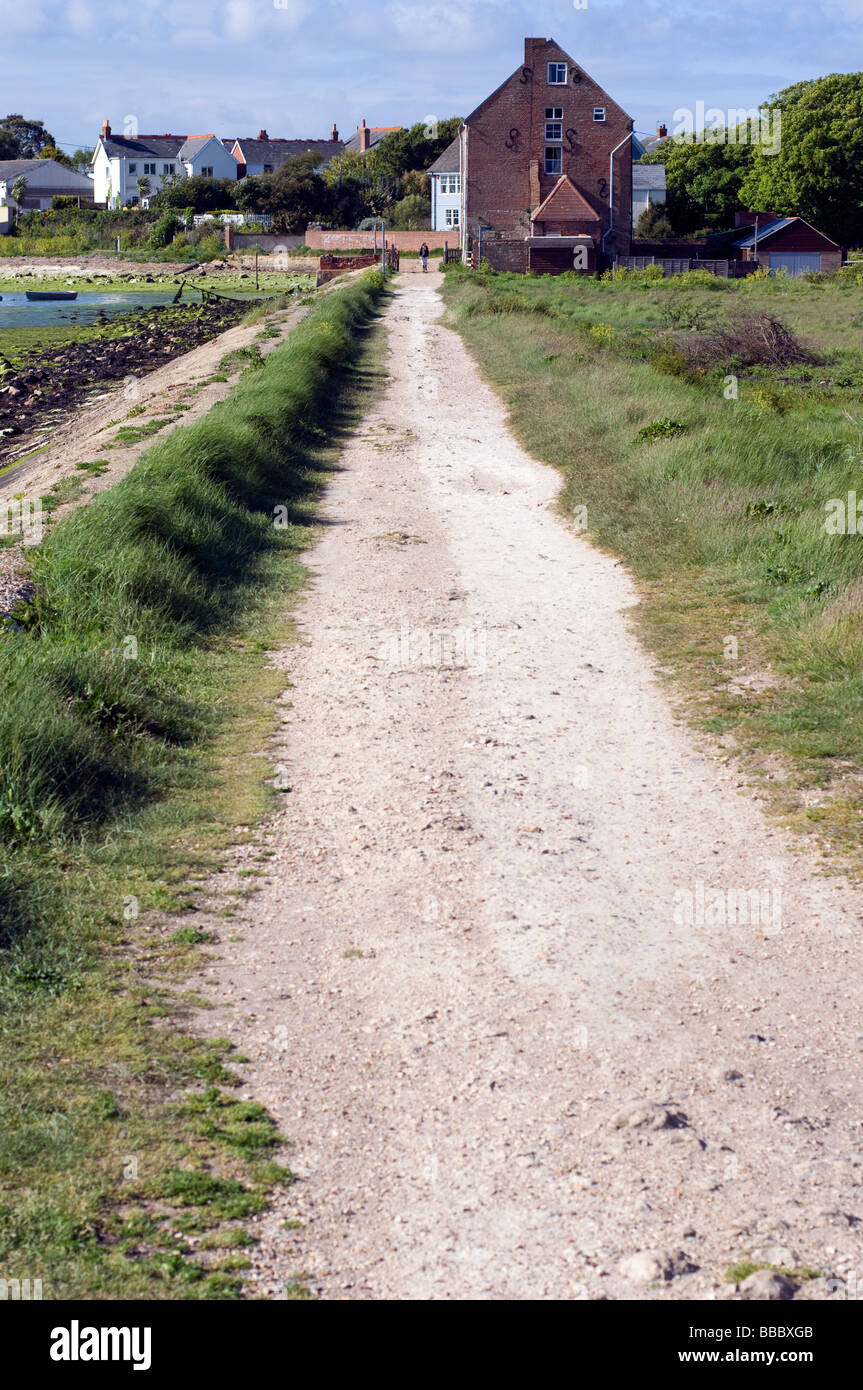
x: 709, y: 464
x: 136, y: 692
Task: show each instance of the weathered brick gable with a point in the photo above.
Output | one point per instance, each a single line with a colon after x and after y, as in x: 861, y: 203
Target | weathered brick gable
x: 505, y: 147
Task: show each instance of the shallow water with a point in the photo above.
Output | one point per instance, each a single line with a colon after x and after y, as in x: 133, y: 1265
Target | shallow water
x: 17, y: 311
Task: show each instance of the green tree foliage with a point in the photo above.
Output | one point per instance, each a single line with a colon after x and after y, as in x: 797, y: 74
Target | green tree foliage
x: 82, y: 159
x: 412, y: 213
x: 298, y: 195
x: 252, y: 194
x: 19, y: 188
x: 370, y: 184
x: 52, y: 152
x: 203, y: 195
x: 26, y: 139
x: 415, y: 148
x: 818, y: 171
x: 653, y: 223
x: 703, y: 183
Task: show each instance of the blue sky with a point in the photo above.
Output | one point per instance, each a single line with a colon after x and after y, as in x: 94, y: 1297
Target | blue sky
x: 295, y: 66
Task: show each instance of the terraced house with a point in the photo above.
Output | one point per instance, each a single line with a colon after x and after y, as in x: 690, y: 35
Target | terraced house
x: 119, y: 161
x: 545, y: 168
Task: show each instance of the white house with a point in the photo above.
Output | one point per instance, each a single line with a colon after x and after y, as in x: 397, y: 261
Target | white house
x: 648, y: 187
x: 119, y: 161
x: 445, y: 181
x: 45, y: 178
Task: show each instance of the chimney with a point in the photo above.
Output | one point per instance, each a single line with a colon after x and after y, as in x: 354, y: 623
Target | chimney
x: 365, y: 136
x: 334, y: 133
x: 662, y: 132
x: 262, y: 135
x: 529, y: 46
x: 106, y: 130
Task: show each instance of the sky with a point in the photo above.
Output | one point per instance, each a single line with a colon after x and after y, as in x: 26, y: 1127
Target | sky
x: 294, y: 67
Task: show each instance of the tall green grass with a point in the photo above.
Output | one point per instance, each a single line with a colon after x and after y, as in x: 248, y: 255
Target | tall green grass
x: 137, y: 694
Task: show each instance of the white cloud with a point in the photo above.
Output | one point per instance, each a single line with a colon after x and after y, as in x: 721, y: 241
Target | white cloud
x: 239, y: 19
x: 16, y: 18
x: 80, y: 16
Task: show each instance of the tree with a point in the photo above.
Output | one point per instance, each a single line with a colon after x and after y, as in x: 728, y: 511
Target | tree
x: 817, y: 172
x: 253, y: 194
x: 298, y: 195
x: 82, y: 159
x: 143, y: 186
x: 199, y: 193
x: 417, y: 147
x: 703, y: 182
x: 653, y: 223
x: 19, y: 188
x: 29, y: 137
x: 410, y: 214
x: 52, y: 152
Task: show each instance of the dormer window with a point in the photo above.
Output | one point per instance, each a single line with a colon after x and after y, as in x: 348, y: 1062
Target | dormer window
x: 556, y: 74
x: 599, y: 113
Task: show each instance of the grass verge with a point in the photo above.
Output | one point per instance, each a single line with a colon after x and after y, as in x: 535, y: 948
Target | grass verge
x: 711, y: 473
x: 137, y: 690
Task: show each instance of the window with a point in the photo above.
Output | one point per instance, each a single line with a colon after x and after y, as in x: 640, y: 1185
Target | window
x: 133, y: 168
x: 206, y: 171
x: 449, y: 183
x: 557, y: 74
x: 451, y: 217
x: 599, y: 113
x: 167, y: 168
x: 149, y: 168
x: 268, y: 169
x: 553, y: 160
x: 554, y: 130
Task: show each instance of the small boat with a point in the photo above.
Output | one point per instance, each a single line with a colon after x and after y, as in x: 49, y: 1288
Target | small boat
x: 52, y: 294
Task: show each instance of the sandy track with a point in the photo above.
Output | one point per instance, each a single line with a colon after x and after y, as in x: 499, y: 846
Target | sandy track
x: 493, y: 803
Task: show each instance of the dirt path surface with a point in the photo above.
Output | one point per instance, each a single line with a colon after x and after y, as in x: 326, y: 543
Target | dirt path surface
x: 488, y: 984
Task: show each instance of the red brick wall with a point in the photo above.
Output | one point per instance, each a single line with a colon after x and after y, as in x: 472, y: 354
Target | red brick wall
x: 505, y: 253
x: 320, y: 240
x: 506, y: 132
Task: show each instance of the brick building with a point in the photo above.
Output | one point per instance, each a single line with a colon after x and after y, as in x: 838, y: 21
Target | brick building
x: 539, y: 161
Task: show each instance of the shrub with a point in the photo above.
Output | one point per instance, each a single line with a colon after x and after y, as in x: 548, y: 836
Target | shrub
x: 660, y: 429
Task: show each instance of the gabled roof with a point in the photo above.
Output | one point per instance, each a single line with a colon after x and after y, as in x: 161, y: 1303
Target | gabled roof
x: 648, y: 175
x: 549, y: 44
x: 275, y: 152
x: 771, y: 228
x: 11, y: 168
x: 124, y: 147
x: 376, y: 134
x: 565, y: 204
x: 448, y: 162
x: 192, y: 145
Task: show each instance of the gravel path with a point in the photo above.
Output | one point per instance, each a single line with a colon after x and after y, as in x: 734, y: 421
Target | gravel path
x: 492, y: 985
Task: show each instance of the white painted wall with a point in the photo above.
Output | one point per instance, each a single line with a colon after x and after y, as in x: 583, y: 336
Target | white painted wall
x: 442, y: 202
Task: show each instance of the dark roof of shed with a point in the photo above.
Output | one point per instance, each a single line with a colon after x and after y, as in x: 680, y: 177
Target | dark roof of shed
x: 777, y: 225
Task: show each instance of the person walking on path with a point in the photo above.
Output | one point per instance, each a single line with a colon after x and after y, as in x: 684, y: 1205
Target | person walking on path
x: 424, y: 257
